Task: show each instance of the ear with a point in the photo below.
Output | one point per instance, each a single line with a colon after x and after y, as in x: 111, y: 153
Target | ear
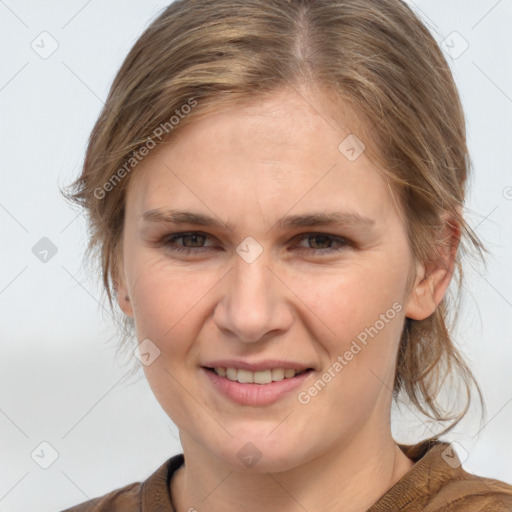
x: 119, y: 283
x: 433, y: 277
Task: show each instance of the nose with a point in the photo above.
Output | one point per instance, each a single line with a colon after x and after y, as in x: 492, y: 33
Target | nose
x: 255, y: 302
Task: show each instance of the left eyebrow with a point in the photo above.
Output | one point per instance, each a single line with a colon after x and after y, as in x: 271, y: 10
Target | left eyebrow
x: 348, y: 218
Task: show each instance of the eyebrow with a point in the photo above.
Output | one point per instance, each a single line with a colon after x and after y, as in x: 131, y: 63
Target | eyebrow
x: 291, y: 221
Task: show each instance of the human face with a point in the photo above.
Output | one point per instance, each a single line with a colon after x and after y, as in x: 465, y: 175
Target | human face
x: 303, y: 300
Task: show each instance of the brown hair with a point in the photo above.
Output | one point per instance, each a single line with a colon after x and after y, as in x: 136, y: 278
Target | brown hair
x: 376, y: 57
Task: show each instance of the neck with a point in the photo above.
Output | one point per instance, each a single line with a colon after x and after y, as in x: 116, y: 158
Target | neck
x: 349, y: 478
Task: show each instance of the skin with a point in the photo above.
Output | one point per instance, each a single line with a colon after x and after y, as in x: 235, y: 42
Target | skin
x: 250, y: 166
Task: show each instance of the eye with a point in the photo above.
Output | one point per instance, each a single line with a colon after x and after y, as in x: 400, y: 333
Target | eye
x: 193, y: 238
x: 193, y: 242
x: 321, y: 239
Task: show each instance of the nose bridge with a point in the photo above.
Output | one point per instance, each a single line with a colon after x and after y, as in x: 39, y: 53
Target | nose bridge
x: 251, y: 274
x: 249, y: 306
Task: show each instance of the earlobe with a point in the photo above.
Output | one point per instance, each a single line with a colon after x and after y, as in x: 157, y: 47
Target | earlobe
x: 423, y: 298
x: 121, y: 290
x: 123, y: 299
x: 433, y: 279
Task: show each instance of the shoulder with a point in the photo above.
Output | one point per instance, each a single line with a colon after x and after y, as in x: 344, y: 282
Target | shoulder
x: 438, y: 483
x: 453, y: 489
x: 126, y: 499
x: 150, y: 494
x: 467, y: 493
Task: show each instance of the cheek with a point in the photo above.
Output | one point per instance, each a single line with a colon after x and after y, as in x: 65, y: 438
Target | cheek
x: 351, y: 299
x: 364, y: 312
x: 166, y: 305
x: 165, y: 298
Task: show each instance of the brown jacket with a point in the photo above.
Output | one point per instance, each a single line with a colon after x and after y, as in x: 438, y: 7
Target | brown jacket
x: 436, y: 483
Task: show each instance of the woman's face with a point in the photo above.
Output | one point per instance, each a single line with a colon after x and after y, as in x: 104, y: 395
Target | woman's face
x: 329, y: 297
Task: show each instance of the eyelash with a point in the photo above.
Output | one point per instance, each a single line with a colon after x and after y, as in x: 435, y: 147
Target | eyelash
x: 168, y: 242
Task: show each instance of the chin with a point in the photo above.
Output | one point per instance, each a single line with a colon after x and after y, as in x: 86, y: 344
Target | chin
x: 258, y: 454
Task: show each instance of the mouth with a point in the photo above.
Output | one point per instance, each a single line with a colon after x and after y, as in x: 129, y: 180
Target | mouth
x: 259, y: 388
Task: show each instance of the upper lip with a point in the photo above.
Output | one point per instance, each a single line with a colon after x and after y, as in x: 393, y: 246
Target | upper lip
x: 267, y: 364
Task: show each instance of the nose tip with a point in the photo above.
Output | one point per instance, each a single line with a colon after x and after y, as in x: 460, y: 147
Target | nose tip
x: 251, y: 309
x: 249, y: 331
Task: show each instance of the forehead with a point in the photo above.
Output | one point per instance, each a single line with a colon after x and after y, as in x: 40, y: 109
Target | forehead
x: 280, y: 153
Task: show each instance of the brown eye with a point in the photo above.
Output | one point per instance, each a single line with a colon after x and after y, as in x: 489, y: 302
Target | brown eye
x: 322, y: 243
x: 192, y: 242
x: 194, y: 239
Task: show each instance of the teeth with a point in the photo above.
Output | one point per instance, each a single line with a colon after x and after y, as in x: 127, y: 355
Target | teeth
x: 261, y: 377
x: 232, y: 373
x: 288, y: 373
x: 245, y: 376
x: 278, y: 374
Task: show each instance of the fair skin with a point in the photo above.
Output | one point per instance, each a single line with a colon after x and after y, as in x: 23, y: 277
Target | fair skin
x: 250, y: 166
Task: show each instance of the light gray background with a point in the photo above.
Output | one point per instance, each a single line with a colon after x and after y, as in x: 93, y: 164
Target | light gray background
x: 60, y: 382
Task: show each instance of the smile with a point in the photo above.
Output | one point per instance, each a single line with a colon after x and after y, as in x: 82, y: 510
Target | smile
x: 245, y: 387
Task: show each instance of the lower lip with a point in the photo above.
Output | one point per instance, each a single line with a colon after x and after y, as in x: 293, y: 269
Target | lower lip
x: 255, y: 394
